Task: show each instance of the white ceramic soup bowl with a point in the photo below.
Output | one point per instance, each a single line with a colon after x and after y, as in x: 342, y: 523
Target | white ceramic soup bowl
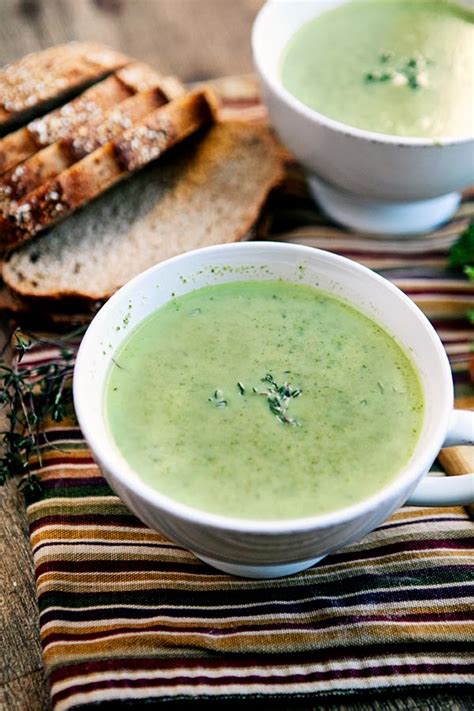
x: 257, y: 548
x: 368, y: 181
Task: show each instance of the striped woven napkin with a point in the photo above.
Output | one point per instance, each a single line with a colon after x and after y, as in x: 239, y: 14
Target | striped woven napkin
x: 129, y: 618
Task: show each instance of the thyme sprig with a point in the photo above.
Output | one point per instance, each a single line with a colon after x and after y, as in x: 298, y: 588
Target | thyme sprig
x: 411, y: 71
x: 28, y: 396
x: 279, y: 398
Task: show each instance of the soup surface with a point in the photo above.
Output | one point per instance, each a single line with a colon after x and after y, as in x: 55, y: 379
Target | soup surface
x: 399, y: 67
x: 263, y: 400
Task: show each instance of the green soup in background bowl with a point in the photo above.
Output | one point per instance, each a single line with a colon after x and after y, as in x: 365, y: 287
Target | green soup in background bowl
x: 399, y: 67
x: 374, y: 98
x: 252, y: 541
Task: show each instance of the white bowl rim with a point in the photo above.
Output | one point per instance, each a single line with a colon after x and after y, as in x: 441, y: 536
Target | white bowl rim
x: 109, y: 455
x: 338, y: 126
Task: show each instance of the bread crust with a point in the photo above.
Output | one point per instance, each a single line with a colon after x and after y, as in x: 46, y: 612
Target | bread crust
x: 90, y: 109
x: 210, y: 190
x: 101, y: 129
x: 96, y: 172
x: 37, y: 312
x: 214, y: 191
x: 46, y: 77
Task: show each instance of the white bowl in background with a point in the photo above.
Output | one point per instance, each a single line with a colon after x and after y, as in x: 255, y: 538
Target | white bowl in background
x: 366, y: 180
x: 268, y: 549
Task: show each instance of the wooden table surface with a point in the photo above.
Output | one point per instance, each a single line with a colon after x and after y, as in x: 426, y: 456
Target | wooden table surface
x: 194, y: 39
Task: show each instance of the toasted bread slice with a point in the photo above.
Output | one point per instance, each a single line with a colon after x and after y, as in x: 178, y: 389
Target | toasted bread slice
x: 208, y: 190
x: 87, y: 108
x: 42, y: 79
x: 99, y: 130
x: 58, y: 197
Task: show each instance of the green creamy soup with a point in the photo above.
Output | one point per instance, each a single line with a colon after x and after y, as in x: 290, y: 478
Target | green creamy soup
x: 400, y: 67
x: 263, y: 400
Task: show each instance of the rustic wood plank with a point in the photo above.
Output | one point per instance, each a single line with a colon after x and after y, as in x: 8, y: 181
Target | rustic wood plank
x: 458, y: 460
x: 30, y: 692
x: 21, y: 668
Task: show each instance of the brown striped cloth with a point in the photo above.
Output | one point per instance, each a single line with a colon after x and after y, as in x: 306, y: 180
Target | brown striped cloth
x: 129, y: 619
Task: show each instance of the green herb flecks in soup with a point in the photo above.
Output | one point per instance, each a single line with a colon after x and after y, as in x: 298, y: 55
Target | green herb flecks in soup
x: 263, y: 400
x: 400, y: 67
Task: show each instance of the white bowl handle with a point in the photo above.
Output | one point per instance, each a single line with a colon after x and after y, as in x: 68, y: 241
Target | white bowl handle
x: 452, y: 490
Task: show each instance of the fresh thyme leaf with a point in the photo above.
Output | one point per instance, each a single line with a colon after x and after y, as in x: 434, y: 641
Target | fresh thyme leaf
x: 22, y: 345
x: 120, y: 367
x: 279, y: 398
x: 218, y: 399
x: 409, y: 72
x: 29, y: 396
x: 31, y: 488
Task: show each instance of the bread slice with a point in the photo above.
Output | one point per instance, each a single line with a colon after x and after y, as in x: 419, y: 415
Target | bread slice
x: 39, y: 312
x: 43, y: 79
x: 208, y: 190
x: 88, y: 108
x: 99, y: 130
x: 58, y: 197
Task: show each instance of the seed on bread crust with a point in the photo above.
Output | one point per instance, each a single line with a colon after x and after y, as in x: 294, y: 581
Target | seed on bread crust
x: 84, y: 180
x: 145, y: 145
x: 210, y: 191
x: 45, y: 76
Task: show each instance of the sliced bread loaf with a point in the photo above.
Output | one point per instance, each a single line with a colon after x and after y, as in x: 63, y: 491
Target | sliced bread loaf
x: 44, y: 79
x: 208, y: 190
x: 99, y: 130
x: 89, y: 108
x: 148, y: 138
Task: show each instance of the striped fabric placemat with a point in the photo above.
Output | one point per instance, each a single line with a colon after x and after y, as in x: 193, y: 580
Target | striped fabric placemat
x: 129, y: 619
x: 127, y: 616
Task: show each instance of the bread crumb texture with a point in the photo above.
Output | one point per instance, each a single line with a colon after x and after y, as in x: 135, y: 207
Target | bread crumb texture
x: 208, y: 190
